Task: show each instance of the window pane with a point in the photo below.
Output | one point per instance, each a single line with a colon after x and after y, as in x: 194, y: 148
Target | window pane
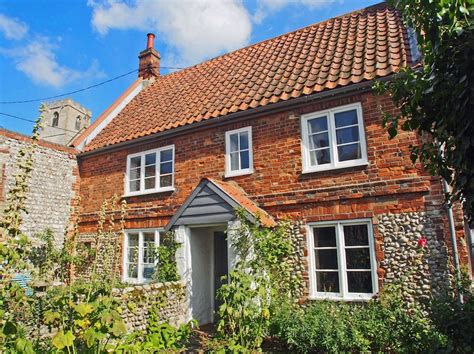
x: 135, y: 174
x: 319, y: 140
x: 166, y: 168
x: 349, y: 152
x: 320, y: 157
x: 346, y: 118
x: 326, y: 259
x: 148, y: 247
x: 148, y: 271
x: 234, y: 161
x: 327, y: 282
x: 132, y: 248
x: 317, y: 125
x: 166, y: 155
x: 150, y: 183
x: 356, y: 235
x: 135, y: 162
x: 166, y: 181
x: 132, y: 271
x: 325, y: 236
x: 359, y: 282
x: 150, y: 159
x: 347, y: 135
x: 358, y: 258
x: 135, y: 185
x: 244, y: 140
x: 234, y: 142
x: 150, y: 171
x: 244, y: 159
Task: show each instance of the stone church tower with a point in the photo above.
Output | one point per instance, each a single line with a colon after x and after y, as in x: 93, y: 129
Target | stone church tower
x: 64, y: 121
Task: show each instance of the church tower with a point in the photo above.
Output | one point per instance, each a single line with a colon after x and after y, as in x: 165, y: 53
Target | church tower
x: 64, y: 120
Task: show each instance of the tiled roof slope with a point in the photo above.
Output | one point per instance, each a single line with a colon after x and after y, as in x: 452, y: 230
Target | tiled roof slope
x: 362, y: 45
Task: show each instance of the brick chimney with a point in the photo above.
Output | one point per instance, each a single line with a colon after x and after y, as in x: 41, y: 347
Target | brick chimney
x: 149, y: 60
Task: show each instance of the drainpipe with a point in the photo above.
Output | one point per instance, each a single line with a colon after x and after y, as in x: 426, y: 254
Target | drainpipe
x: 454, y: 245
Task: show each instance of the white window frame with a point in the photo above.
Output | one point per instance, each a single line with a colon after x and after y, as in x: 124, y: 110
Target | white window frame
x: 240, y: 172
x: 140, y: 279
x: 343, y: 294
x: 335, y: 164
x: 142, y: 189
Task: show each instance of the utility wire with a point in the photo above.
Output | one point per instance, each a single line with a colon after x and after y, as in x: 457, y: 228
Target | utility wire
x: 82, y: 89
x: 33, y: 121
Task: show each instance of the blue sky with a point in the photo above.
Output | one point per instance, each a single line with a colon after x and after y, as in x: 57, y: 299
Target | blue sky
x: 49, y: 47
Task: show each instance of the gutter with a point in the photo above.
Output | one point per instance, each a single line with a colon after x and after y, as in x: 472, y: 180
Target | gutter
x: 242, y: 115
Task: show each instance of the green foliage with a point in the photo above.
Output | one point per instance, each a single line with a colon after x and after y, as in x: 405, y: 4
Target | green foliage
x: 456, y: 320
x: 379, y: 325
x: 436, y: 98
x: 260, y: 274
x: 167, y: 269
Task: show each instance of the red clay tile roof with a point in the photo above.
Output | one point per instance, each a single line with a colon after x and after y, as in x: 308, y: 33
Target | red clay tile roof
x: 234, y: 191
x: 363, y: 45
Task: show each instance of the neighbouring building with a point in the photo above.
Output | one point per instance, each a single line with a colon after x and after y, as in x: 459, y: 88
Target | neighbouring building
x: 288, y: 128
x: 51, y: 187
x: 64, y: 120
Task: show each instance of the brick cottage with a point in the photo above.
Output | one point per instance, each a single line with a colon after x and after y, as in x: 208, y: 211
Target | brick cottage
x: 287, y: 128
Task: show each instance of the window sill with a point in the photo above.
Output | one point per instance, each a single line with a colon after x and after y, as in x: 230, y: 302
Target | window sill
x: 238, y: 173
x: 362, y: 297
x: 153, y: 191
x: 307, y: 170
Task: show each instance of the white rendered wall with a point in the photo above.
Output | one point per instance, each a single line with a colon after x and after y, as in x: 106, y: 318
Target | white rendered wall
x: 202, y: 275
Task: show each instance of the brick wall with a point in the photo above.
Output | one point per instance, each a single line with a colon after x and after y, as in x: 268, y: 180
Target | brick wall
x: 389, y: 184
x: 51, y: 186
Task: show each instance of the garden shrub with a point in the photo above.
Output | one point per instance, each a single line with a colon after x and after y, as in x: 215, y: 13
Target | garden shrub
x: 167, y: 269
x: 378, y: 325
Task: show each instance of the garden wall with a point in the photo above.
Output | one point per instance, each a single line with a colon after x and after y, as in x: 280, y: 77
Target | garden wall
x: 137, y: 303
x: 51, y: 186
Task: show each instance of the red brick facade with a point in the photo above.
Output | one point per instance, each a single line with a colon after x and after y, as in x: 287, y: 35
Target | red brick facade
x: 390, y: 183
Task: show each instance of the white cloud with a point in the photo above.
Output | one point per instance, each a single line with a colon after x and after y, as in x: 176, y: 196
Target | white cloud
x: 38, y: 61
x: 266, y: 7
x: 196, y: 29
x: 12, y: 28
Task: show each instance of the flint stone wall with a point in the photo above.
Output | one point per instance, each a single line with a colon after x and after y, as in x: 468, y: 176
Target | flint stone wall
x: 423, y: 272
x: 137, y: 303
x: 51, y: 185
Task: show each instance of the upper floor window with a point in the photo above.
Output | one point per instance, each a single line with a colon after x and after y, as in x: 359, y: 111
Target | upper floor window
x: 78, y: 122
x: 55, y: 121
x: 238, y: 157
x: 150, y: 171
x: 139, y: 261
x: 333, y: 139
x: 342, y: 260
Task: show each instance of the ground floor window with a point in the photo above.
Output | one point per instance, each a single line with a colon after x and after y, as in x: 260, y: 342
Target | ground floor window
x: 139, y: 255
x: 342, y: 260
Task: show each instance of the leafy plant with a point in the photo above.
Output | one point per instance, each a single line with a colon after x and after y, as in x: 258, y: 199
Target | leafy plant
x: 167, y: 269
x: 435, y: 98
x: 260, y: 274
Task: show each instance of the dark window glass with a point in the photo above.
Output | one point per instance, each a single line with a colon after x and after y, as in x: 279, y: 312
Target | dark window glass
x: 244, y: 140
x: 166, y: 168
x: 349, y: 152
x: 55, y: 121
x: 244, y: 160
x: 326, y: 259
x: 166, y: 181
x: 166, y: 155
x: 320, y: 157
x: 319, y: 140
x: 327, y: 282
x: 360, y: 282
x: 356, y: 235
x: 234, y: 142
x: 358, y: 258
x: 325, y: 236
x: 346, y: 118
x: 317, y: 125
x: 347, y: 135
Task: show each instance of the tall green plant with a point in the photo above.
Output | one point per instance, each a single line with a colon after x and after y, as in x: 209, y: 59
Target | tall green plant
x: 167, y: 269
x: 261, y: 273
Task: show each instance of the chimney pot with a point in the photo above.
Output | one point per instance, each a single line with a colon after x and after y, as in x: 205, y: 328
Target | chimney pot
x: 149, y: 60
x: 151, y: 40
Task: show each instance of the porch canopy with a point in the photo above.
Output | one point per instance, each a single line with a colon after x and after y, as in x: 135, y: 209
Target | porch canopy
x: 214, y: 202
